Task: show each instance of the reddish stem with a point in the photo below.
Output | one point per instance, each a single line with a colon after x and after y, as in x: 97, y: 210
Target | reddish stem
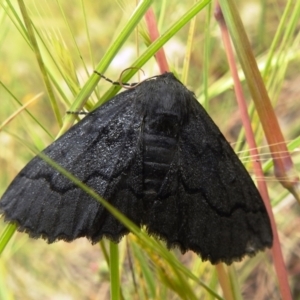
x: 154, y: 34
x: 276, y: 249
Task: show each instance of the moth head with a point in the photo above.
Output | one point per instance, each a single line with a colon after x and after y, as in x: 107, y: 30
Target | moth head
x: 164, y: 96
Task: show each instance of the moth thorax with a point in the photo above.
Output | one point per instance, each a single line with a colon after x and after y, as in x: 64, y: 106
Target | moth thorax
x: 159, y: 146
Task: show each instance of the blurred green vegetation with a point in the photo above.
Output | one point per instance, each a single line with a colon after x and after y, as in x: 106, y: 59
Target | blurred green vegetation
x: 73, y: 37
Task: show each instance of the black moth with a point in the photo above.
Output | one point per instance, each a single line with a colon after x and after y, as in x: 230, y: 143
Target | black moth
x: 154, y: 154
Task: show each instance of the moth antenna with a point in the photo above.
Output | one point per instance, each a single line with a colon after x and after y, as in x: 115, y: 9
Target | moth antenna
x: 130, y: 85
x: 111, y: 81
x: 125, y: 85
x: 77, y: 112
x: 134, y: 85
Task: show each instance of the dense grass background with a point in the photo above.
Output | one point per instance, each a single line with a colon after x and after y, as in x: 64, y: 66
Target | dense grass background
x: 73, y: 38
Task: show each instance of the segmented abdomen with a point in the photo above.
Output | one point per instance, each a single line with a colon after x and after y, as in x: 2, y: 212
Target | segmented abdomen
x: 159, y: 147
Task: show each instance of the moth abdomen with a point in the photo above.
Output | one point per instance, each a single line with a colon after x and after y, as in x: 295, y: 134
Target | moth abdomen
x: 159, y: 147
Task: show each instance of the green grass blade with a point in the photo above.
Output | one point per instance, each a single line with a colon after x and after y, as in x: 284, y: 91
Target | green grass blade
x: 90, y: 85
x: 6, y: 235
x: 114, y: 272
